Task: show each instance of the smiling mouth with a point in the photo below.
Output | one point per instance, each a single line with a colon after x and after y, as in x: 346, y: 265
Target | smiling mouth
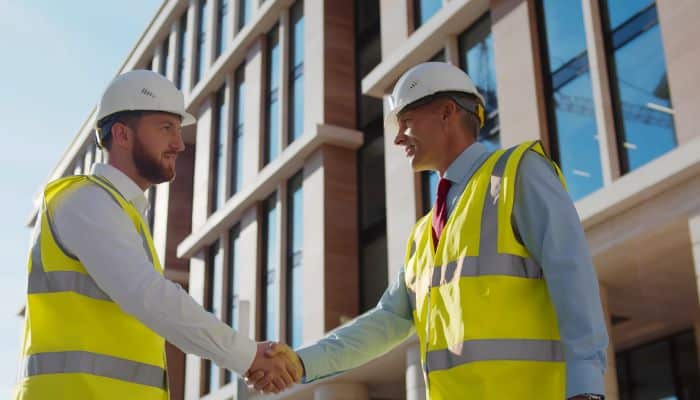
x: 410, y: 151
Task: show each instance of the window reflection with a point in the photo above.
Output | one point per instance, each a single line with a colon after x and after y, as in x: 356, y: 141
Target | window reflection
x: 270, y: 285
x: 573, y: 130
x: 295, y: 226
x: 272, y: 126
x: 641, y: 94
x: 296, y: 78
x: 424, y: 9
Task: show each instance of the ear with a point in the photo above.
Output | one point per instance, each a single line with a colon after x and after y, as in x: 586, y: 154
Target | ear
x: 448, y: 109
x: 120, y: 135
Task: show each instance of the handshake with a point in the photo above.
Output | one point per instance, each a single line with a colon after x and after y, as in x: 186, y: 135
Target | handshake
x: 275, y: 368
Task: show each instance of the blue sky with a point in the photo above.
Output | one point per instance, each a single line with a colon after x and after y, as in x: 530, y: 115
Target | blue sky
x: 57, y: 58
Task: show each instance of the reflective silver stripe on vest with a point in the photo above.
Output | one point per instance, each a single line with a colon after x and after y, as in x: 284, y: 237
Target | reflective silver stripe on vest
x: 475, y: 266
x: 76, y: 362
x: 41, y: 281
x: 495, y: 350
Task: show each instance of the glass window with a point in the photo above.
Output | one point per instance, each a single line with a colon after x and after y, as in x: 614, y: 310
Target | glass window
x: 244, y: 13
x: 218, y: 150
x: 222, y: 27
x: 164, y: 53
x: 439, y: 56
x: 661, y: 370
x: 272, y: 127
x: 181, y: 46
x: 151, y: 207
x: 201, y: 64
x: 271, y: 257
x: 215, y: 275
x: 477, y: 60
x: 296, y: 78
x: 372, y: 202
x: 574, y: 134
x: 233, y: 287
x: 642, y: 98
x: 295, y: 233
x: 237, y: 142
x: 429, y: 182
x: 424, y: 9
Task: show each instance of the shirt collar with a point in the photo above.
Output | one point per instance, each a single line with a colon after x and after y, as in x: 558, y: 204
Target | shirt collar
x: 466, y: 163
x: 126, y: 187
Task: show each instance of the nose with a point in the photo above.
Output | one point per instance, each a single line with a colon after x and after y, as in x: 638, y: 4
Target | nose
x: 400, y: 137
x: 179, y: 143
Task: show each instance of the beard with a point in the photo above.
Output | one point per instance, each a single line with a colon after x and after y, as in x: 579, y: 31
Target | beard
x: 150, y: 166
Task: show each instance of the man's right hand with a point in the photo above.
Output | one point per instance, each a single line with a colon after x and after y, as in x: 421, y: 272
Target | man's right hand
x: 275, y: 368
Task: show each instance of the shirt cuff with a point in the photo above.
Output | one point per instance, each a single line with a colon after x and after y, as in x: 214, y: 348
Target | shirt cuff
x: 241, y: 356
x: 316, y: 365
x: 584, y: 376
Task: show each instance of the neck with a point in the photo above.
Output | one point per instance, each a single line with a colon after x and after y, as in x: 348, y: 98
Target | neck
x: 129, y: 169
x: 452, y: 150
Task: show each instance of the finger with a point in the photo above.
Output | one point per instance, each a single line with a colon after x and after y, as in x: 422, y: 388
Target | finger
x: 270, y: 389
x: 261, y: 383
x: 286, y: 378
x: 279, y: 383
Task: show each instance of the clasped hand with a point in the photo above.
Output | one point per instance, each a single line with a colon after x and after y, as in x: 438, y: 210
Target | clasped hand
x: 275, y: 368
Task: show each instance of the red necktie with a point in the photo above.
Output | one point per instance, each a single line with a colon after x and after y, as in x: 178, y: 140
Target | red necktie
x: 440, y: 211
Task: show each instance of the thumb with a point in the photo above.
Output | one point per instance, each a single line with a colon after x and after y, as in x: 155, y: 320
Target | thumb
x: 274, y: 349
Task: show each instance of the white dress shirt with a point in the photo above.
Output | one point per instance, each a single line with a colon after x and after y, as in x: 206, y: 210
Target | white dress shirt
x: 94, y: 228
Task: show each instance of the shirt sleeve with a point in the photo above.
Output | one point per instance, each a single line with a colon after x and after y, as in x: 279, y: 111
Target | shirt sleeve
x: 549, y: 226
x: 96, y: 230
x: 365, y: 338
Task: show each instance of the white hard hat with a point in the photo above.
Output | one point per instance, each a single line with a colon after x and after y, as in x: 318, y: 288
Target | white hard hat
x: 425, y: 80
x: 142, y: 90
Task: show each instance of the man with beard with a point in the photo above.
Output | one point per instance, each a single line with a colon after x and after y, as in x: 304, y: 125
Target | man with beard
x: 98, y: 307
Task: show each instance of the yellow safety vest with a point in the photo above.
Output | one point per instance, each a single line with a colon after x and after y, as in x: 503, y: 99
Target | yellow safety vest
x: 486, y: 324
x: 78, y: 343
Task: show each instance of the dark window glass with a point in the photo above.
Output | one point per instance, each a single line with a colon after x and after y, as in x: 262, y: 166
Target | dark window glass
x: 151, y: 207
x: 233, y: 287
x: 664, y: 369
x: 237, y: 142
x: 215, y: 275
x: 222, y: 27
x: 641, y: 94
x: 370, y: 160
x: 201, y: 64
x: 244, y: 13
x: 373, y: 252
x: 164, y: 53
x: 439, y: 56
x: 181, y: 46
x: 270, y: 283
x: 477, y: 60
x: 295, y: 233
x: 296, y: 78
x: 272, y: 127
x: 429, y: 182
x: 218, y: 153
x: 574, y: 134
x: 424, y: 9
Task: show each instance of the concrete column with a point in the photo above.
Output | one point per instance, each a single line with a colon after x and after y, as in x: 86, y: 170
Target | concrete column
x: 341, y: 391
x: 330, y: 245
x: 193, y: 364
x: 248, y: 269
x: 172, y: 51
x: 401, y: 199
x: 394, y: 23
x: 190, y: 45
x: 600, y: 84
x: 694, y: 229
x: 210, y: 37
x: 200, y: 202
x: 415, y: 380
x: 679, y: 32
x: 452, y: 55
x: 521, y: 106
x: 611, y: 387
x: 252, y: 104
x: 314, y: 72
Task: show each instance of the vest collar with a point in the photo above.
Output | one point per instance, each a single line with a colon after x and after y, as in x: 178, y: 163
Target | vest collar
x: 127, y: 187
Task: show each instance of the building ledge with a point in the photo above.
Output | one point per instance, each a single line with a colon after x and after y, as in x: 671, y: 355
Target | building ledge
x: 284, y: 167
x: 452, y: 19
x: 650, y: 180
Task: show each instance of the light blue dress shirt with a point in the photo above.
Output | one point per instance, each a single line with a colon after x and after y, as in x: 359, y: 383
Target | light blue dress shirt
x: 549, y: 226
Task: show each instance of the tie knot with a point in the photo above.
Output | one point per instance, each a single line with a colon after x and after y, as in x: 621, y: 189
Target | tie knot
x: 443, y: 187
